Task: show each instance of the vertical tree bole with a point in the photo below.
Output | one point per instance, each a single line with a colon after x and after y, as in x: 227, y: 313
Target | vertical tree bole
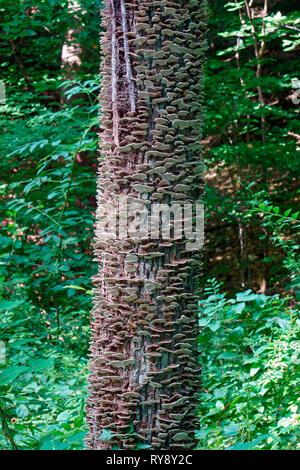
x: 144, y: 365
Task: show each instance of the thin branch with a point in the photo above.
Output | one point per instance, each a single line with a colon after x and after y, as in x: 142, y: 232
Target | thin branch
x: 6, y: 431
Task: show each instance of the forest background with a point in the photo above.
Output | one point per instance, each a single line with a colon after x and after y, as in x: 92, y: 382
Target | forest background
x: 249, y: 311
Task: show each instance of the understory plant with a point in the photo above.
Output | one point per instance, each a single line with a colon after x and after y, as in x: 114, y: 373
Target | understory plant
x: 249, y: 346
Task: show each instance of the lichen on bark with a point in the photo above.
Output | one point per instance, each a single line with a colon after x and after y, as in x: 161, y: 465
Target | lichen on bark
x: 144, y: 364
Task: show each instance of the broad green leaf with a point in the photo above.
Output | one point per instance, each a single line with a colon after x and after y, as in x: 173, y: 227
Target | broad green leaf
x: 39, y: 364
x: 22, y: 411
x: 12, y: 373
x: 231, y: 429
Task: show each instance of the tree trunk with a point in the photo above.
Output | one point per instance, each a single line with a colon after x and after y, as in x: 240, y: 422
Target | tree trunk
x: 144, y: 380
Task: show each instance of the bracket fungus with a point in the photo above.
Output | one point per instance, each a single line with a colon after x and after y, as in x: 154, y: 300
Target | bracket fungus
x: 143, y: 351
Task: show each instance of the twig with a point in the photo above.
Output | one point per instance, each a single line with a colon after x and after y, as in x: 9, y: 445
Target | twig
x: 6, y: 431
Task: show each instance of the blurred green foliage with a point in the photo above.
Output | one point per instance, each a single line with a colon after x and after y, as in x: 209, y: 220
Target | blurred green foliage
x: 251, y: 138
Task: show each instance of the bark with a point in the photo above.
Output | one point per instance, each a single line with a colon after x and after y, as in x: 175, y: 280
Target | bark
x: 144, y: 361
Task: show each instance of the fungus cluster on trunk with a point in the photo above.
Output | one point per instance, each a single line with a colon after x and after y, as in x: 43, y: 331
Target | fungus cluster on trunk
x: 144, y: 365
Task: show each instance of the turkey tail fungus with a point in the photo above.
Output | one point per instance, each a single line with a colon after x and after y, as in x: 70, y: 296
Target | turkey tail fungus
x: 144, y: 379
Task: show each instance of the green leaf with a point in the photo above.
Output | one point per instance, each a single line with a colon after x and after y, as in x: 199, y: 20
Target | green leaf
x: 231, y: 429
x: 40, y: 364
x: 51, y: 443
x: 229, y: 356
x: 77, y: 437
x: 30, y: 32
x: 238, y: 308
x: 22, y: 411
x: 47, y: 444
x: 220, y: 405
x: 254, y: 371
x: 10, y: 304
x: 63, y: 416
x: 11, y: 373
x: 236, y: 333
x: 203, y: 322
x: 214, y: 326
x: 74, y: 287
x: 240, y: 446
x: 220, y: 393
x: 246, y: 296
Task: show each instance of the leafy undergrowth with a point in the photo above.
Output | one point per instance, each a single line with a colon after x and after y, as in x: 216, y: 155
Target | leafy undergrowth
x: 43, y: 382
x: 250, y: 356
x: 45, y: 268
